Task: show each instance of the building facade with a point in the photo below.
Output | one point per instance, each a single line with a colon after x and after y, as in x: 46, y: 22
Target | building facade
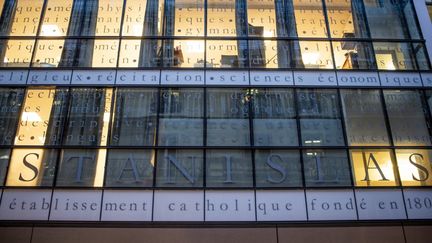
x: 215, y: 120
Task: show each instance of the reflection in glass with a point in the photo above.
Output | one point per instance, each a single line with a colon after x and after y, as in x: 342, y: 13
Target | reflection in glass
x: 262, y: 17
x: 20, y: 17
x: 278, y: 168
x: 143, y: 18
x: 4, y: 161
x: 394, y: 56
x: 314, y: 54
x: 81, y: 168
x: 56, y: 18
x: 108, y: 18
x: 183, y: 53
x: 48, y: 53
x: 391, y: 19
x: 16, y: 53
x: 140, y: 53
x: 228, y: 117
x: 189, y: 18
x: 221, y: 18
x: 408, y: 123
x: 274, y: 122
x: 326, y: 168
x: 347, y: 19
x: 263, y: 54
x: 89, y: 53
x: 414, y: 167
x: 78, y: 53
x: 374, y: 167
x: 11, y: 100
x: 32, y: 167
x: 364, y: 118
x: 320, y: 120
x: 353, y: 55
x: 134, y: 121
x: 181, y: 117
x: 88, y: 117
x: 309, y: 18
x: 229, y: 168
x: 420, y: 53
x: 226, y: 54
x: 179, y: 168
x: 129, y: 168
x: 43, y: 118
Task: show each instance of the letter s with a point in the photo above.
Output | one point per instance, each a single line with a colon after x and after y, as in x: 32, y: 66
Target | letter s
x: 31, y: 167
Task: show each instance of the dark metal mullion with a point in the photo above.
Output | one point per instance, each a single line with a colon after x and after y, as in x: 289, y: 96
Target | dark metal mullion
x: 120, y: 37
x: 325, y: 15
x: 35, y: 38
x: 156, y: 141
x: 299, y: 137
x: 344, y: 132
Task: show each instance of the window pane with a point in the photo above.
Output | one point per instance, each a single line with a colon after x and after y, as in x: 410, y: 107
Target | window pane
x: 20, y: 17
x: 10, y: 107
x: 134, y: 122
x: 227, y: 54
x: 143, y: 18
x: 347, y: 19
x: 226, y: 18
x: 264, y: 54
x: 181, y: 117
x: 374, y: 167
x: 140, y: 53
x: 390, y: 19
x: 43, y: 118
x: 179, y: 168
x: 32, y: 167
x: 56, y: 18
x: 353, y: 55
x: 183, y: 53
x: 364, y: 118
x: 228, y: 117
x: 309, y: 18
x: 89, y: 53
x: 320, y: 119
x: 89, y: 115
x: 16, y: 53
x: 81, y: 168
x: 109, y: 14
x: 313, y: 54
x: 274, y: 122
x: 262, y: 18
x: 189, y: 18
x: 421, y: 56
x: 229, y: 168
x: 4, y: 161
x: 326, y: 168
x: 129, y: 168
x: 48, y: 53
x: 394, y: 56
x: 278, y: 168
x: 414, y: 167
x: 95, y: 17
x: 406, y: 113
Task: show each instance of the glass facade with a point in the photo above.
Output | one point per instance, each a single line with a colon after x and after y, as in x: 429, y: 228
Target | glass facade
x: 326, y: 101
x: 215, y: 137
x: 321, y: 34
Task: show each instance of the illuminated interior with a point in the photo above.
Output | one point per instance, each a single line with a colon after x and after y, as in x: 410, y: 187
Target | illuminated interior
x: 373, y: 168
